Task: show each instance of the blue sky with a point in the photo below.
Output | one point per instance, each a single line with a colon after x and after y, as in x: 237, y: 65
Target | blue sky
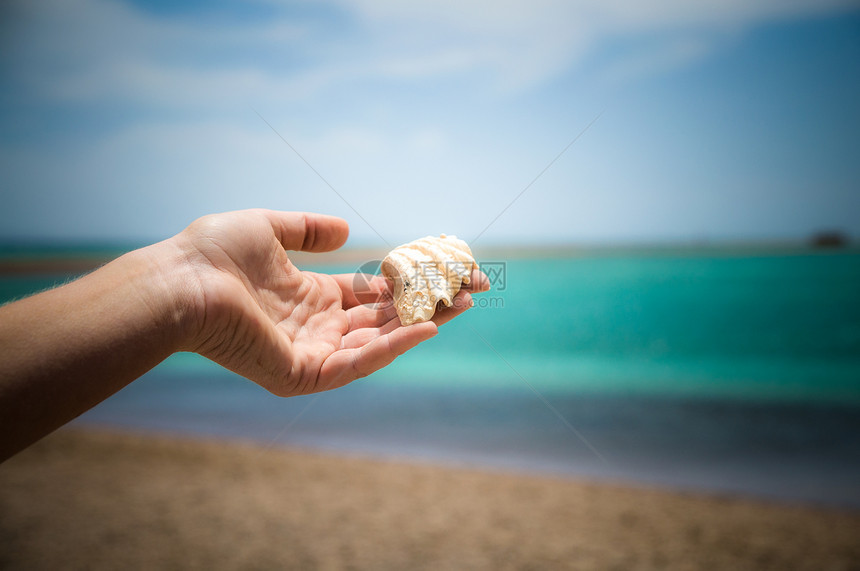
x: 717, y: 119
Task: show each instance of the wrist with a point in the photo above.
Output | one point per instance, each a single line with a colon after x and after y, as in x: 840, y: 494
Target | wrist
x: 168, y: 285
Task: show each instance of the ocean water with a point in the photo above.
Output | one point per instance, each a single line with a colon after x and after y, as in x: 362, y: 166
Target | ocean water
x: 718, y: 371
x: 768, y: 327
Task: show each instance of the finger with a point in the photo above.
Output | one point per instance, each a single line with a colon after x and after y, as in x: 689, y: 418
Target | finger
x: 346, y: 365
x: 461, y: 302
x: 478, y: 282
x: 307, y: 231
x: 357, y: 289
x: 370, y: 316
x: 366, y: 323
x: 361, y: 337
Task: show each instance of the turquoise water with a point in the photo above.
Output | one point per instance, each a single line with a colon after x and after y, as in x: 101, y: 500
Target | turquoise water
x: 764, y: 327
x: 779, y: 327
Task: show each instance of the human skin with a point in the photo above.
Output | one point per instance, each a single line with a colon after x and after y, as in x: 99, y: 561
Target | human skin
x: 224, y: 288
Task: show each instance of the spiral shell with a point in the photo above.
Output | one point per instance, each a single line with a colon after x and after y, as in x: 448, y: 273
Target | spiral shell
x: 426, y: 272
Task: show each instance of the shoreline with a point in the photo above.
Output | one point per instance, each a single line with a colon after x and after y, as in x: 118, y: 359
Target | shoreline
x: 105, y: 499
x: 514, y: 470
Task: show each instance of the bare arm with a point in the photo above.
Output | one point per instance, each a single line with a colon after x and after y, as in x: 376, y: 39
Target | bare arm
x: 224, y: 288
x: 67, y: 349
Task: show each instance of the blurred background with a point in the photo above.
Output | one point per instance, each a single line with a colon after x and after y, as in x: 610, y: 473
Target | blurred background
x: 667, y: 193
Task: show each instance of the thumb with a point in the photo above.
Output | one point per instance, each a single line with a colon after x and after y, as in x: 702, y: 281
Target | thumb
x: 307, y: 231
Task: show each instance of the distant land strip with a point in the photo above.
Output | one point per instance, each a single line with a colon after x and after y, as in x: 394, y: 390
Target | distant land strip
x: 72, y: 263
x: 50, y: 266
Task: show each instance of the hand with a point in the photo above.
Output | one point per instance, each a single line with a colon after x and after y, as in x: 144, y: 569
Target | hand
x: 293, y: 332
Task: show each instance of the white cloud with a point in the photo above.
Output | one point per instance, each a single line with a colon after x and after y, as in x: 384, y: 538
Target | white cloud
x: 101, y: 49
x: 664, y: 57
x: 527, y: 41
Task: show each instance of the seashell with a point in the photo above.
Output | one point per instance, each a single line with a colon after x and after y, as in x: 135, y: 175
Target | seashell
x: 426, y: 272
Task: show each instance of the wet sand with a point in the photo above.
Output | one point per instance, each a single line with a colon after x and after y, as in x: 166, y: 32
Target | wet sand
x: 108, y: 500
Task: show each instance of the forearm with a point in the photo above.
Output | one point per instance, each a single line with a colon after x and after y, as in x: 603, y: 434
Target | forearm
x: 65, y: 350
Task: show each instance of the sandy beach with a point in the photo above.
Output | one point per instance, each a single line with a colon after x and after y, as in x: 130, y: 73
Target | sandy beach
x: 108, y: 500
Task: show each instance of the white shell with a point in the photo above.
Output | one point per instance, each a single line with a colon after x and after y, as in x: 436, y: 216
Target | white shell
x: 425, y: 272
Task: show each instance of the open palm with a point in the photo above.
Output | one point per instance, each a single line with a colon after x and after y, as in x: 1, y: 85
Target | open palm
x: 291, y: 331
